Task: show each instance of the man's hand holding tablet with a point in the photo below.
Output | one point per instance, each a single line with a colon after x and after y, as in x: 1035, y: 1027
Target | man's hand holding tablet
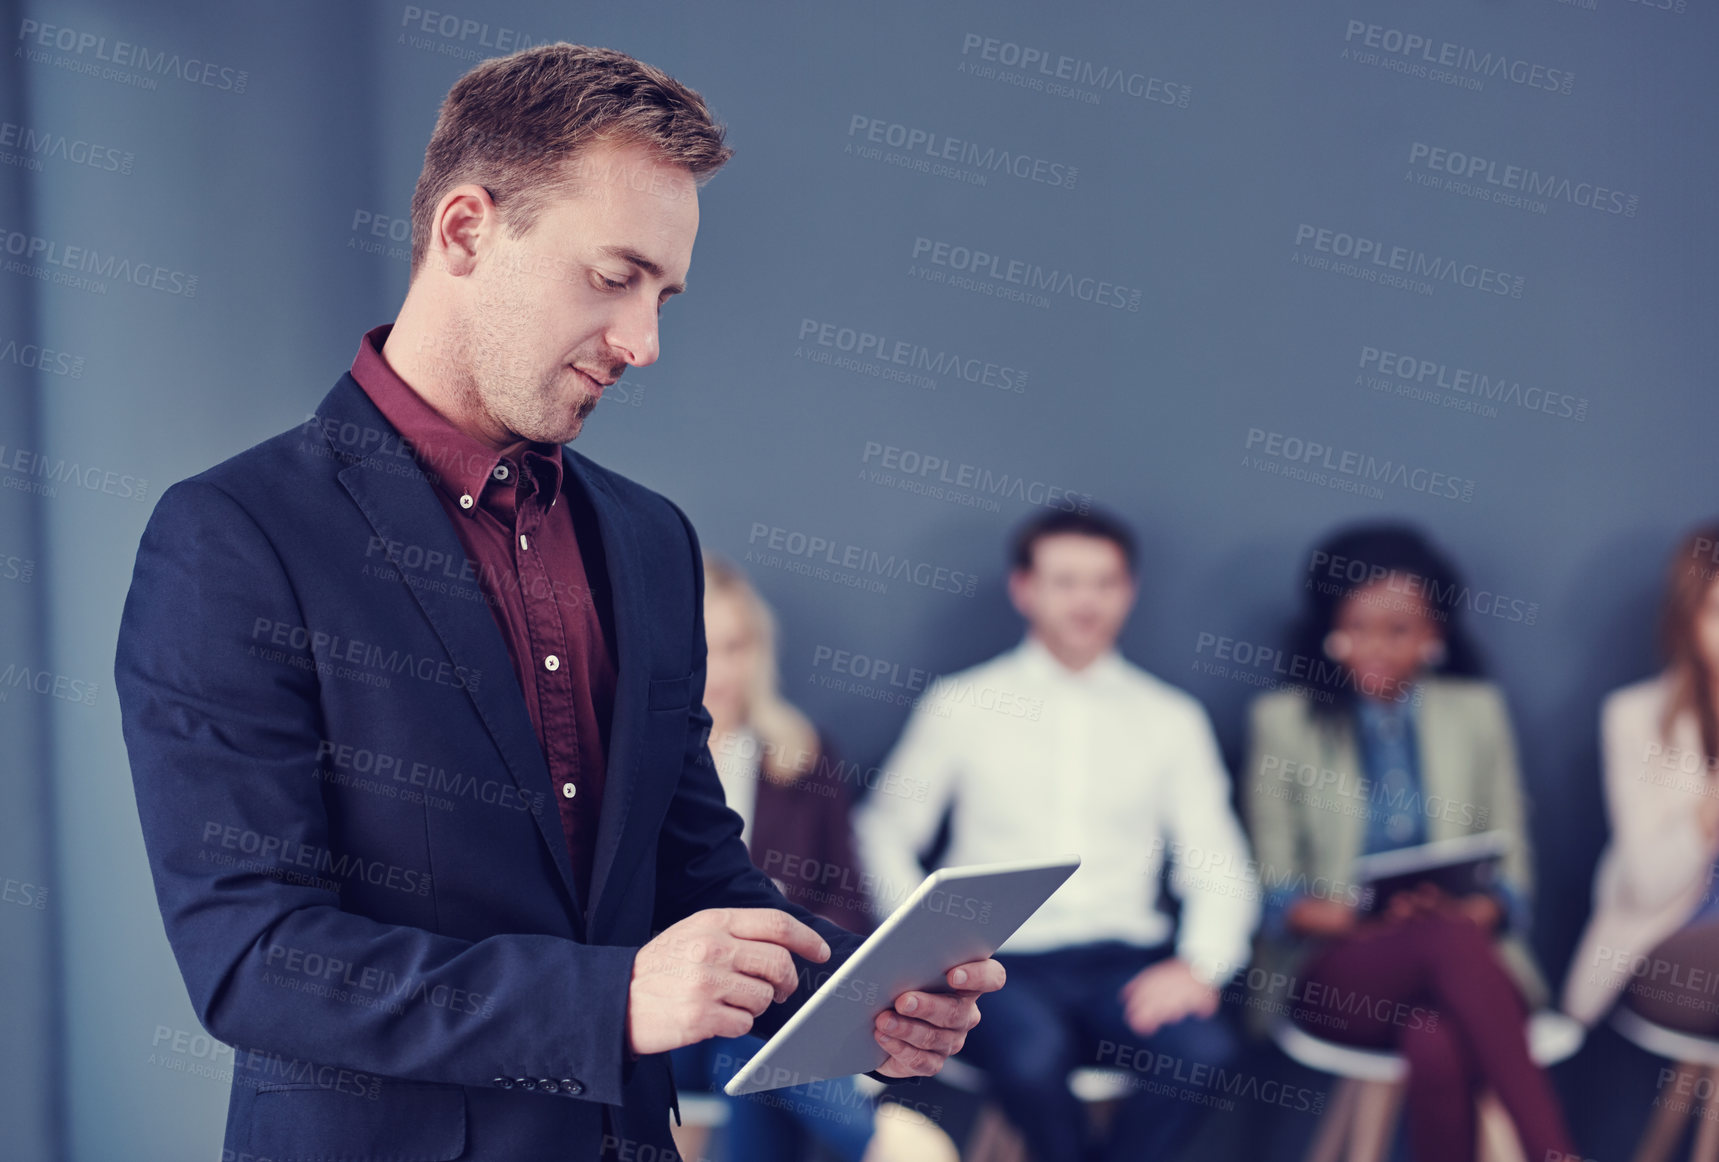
x: 926, y: 1029
x: 713, y: 973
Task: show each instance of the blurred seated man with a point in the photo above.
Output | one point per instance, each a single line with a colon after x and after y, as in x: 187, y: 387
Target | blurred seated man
x: 1060, y: 745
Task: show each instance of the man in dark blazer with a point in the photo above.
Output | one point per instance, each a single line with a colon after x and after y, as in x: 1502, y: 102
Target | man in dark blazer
x: 413, y: 693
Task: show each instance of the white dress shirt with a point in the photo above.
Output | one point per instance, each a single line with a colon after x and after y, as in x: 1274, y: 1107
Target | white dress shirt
x: 1108, y: 762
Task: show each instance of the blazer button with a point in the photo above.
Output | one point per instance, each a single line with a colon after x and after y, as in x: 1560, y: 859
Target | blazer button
x: 503, y: 1082
x: 546, y: 1084
x: 569, y: 1085
x: 526, y: 1083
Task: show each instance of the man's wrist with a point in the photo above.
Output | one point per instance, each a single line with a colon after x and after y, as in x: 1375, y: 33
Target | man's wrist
x: 1206, y: 972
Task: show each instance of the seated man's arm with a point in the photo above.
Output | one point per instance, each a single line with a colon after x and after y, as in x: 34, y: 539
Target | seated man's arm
x: 898, y: 820
x: 1219, y: 904
x: 223, y: 746
x: 1220, y: 900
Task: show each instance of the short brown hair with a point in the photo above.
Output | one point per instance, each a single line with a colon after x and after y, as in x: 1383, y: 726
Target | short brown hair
x: 1058, y: 522
x: 512, y: 122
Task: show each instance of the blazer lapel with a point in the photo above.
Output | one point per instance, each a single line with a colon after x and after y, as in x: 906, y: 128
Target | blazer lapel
x: 1445, y: 768
x: 632, y: 675
x: 1343, y: 828
x: 404, y: 508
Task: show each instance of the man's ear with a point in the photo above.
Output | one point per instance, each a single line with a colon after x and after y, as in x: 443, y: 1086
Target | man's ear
x: 1020, y: 596
x: 465, y: 221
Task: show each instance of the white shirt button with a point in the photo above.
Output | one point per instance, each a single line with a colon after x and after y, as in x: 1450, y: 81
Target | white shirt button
x: 568, y: 790
x: 466, y: 500
x: 552, y: 662
x: 523, y: 543
x: 500, y: 472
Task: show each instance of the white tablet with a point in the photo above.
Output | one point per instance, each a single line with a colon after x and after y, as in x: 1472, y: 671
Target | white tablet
x: 959, y: 914
x: 1460, y: 866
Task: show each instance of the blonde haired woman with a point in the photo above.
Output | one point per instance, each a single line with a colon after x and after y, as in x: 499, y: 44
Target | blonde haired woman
x: 778, y: 776
x: 775, y: 770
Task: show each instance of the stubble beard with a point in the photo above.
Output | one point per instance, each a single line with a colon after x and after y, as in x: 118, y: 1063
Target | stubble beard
x: 501, y: 385
x: 537, y: 408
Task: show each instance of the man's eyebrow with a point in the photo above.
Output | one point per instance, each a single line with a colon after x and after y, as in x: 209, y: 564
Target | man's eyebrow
x: 626, y: 254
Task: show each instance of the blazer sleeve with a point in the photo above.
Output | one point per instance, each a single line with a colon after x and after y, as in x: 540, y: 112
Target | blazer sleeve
x: 827, y: 826
x: 219, y: 738
x: 1656, y: 840
x: 1507, y: 806
x: 1269, y: 815
x: 852, y: 901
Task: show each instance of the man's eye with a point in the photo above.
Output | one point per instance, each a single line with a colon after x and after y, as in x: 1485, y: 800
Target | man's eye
x: 611, y: 283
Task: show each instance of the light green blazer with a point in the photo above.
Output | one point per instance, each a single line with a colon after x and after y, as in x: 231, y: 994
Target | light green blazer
x: 1305, y: 799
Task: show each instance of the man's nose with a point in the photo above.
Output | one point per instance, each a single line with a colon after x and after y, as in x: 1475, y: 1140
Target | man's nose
x: 635, y: 333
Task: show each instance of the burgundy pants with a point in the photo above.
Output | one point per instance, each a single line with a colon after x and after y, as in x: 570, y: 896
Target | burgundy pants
x: 1433, y: 989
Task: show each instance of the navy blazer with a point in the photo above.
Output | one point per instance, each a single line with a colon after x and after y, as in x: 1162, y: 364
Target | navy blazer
x: 348, y: 817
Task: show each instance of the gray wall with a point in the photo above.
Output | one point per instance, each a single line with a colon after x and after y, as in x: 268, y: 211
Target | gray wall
x: 1256, y: 126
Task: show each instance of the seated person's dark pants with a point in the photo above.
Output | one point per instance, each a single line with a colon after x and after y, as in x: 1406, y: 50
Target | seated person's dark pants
x: 1062, y: 1010
x: 779, y: 1123
x: 1433, y: 989
x: 1678, y: 985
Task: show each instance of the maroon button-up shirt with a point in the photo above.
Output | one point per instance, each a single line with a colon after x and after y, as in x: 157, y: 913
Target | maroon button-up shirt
x: 531, y: 534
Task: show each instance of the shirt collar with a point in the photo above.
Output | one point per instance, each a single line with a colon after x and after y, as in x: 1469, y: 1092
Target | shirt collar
x: 1040, y: 661
x: 459, y: 464
x: 1386, y: 718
